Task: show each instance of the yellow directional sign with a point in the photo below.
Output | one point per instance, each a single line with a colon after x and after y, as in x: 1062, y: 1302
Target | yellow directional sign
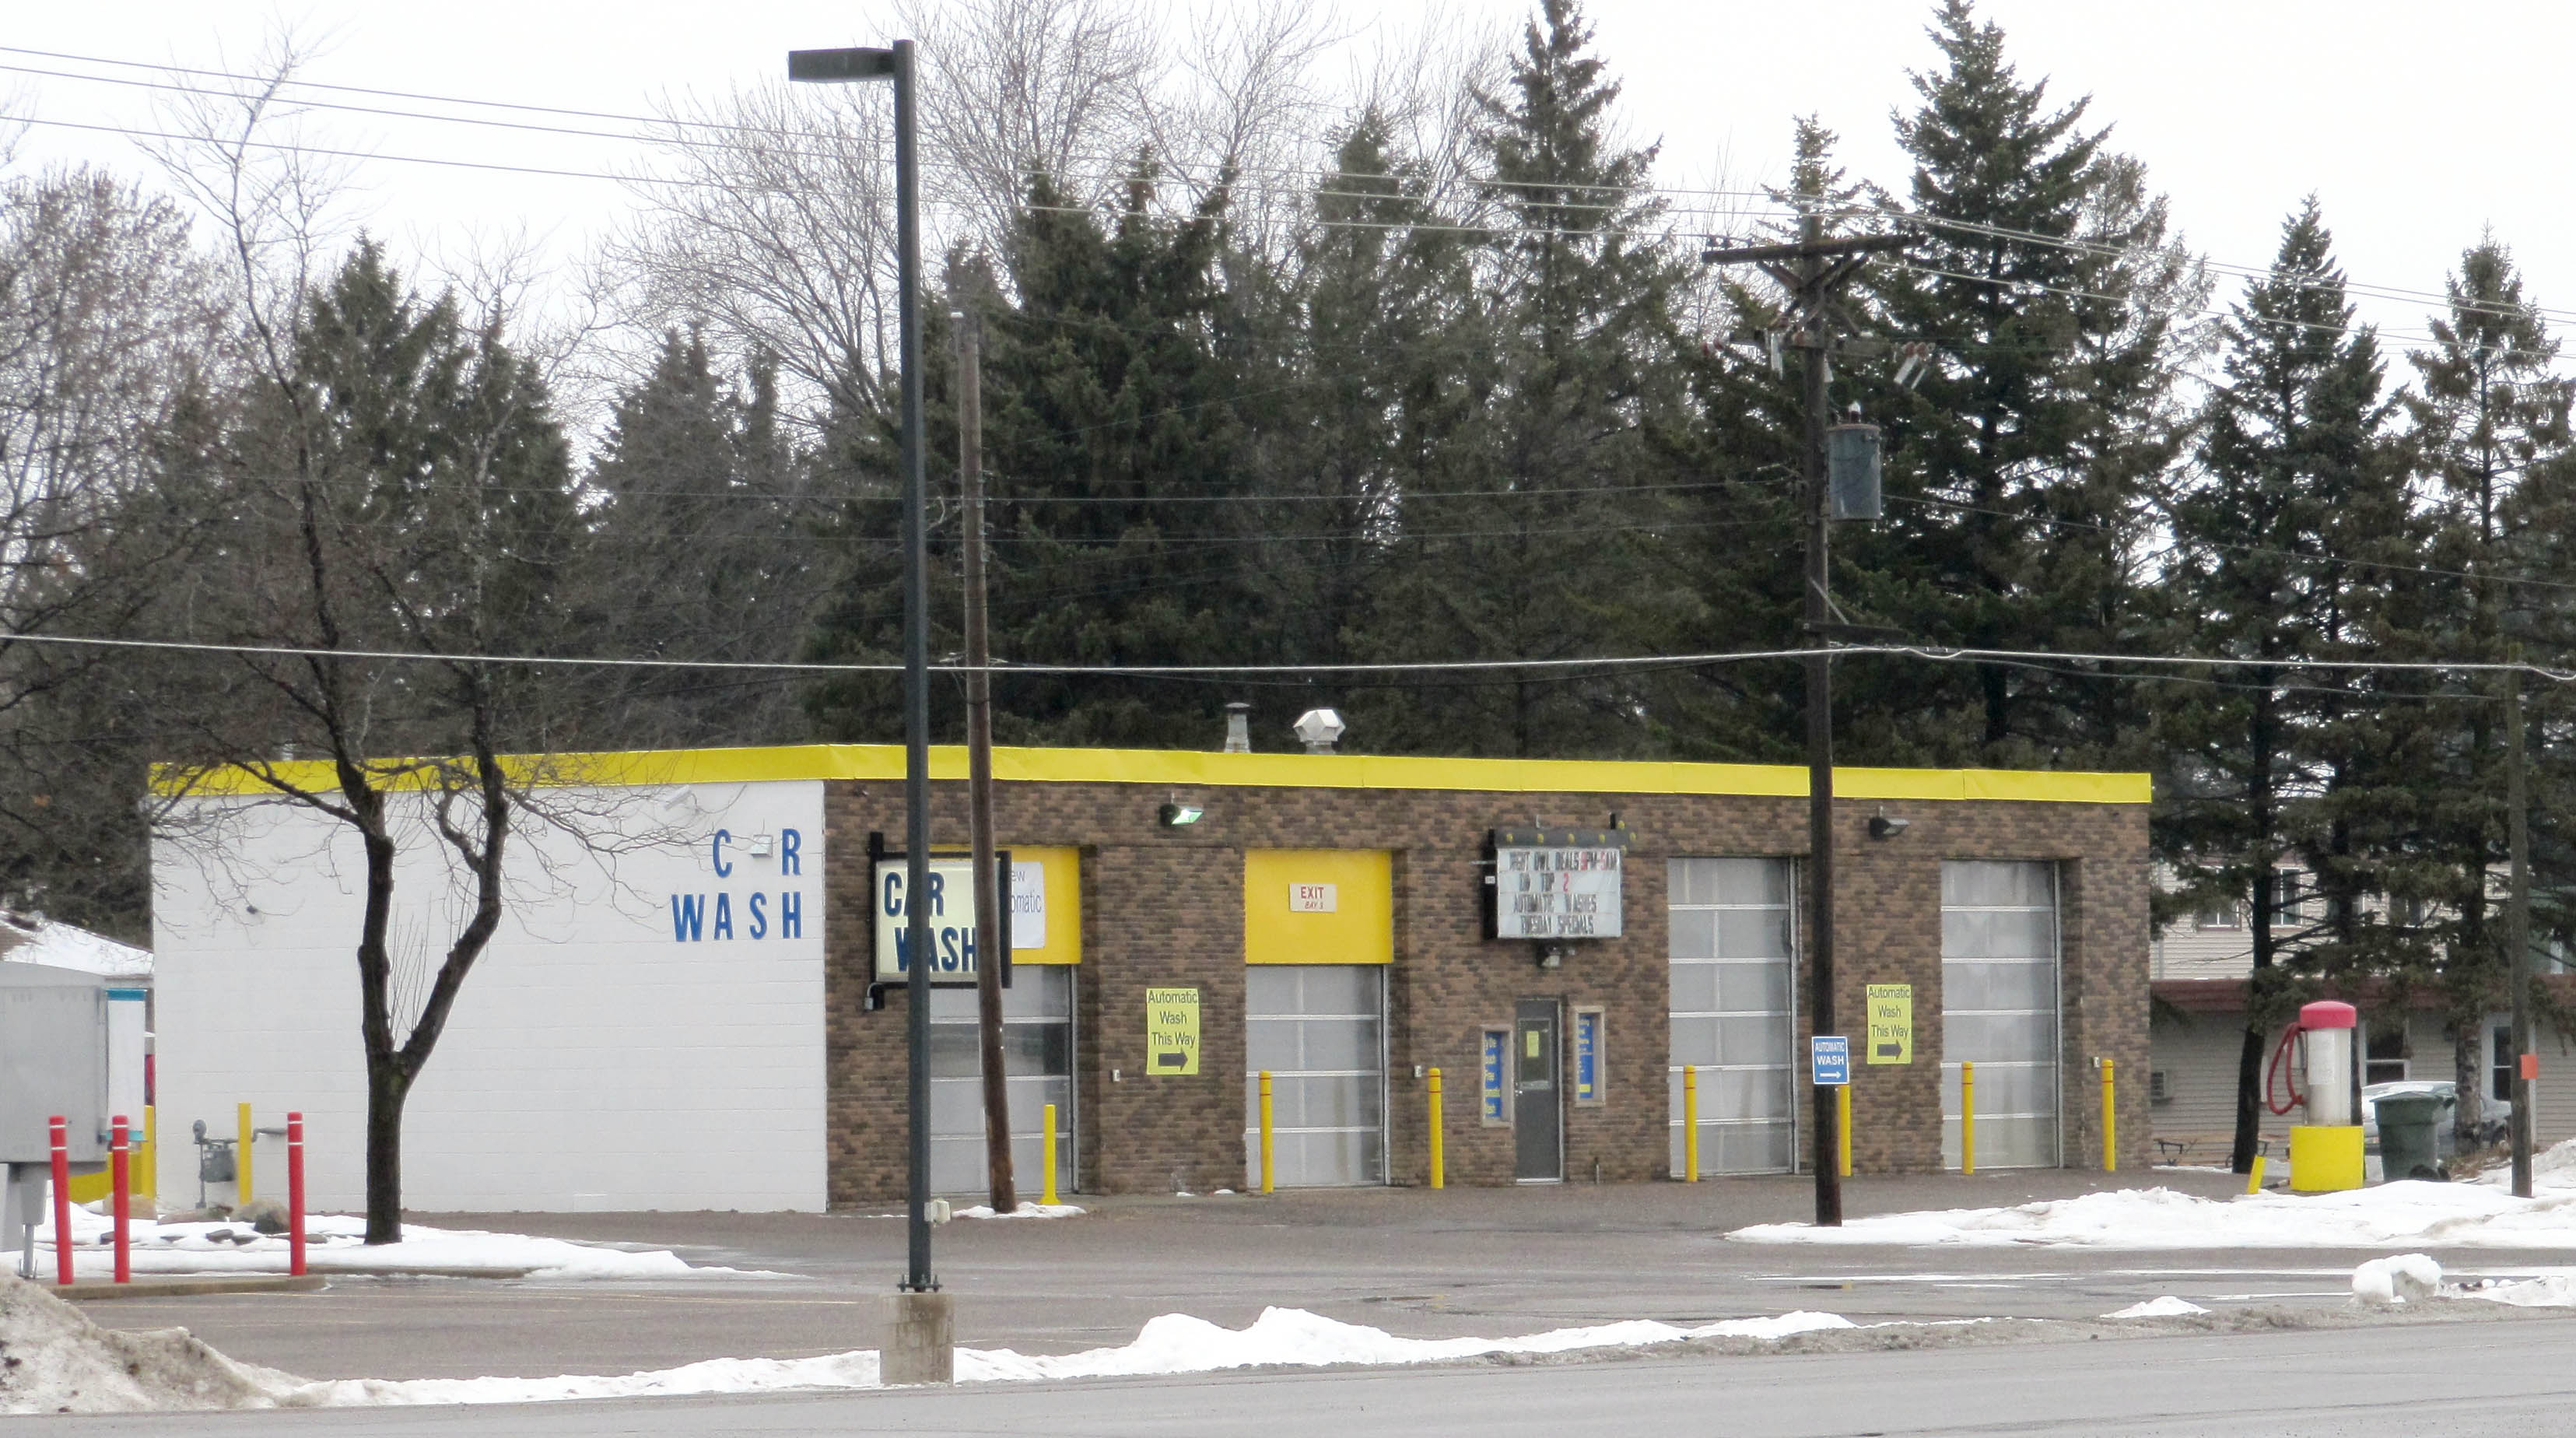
x: 1172, y: 1031
x: 1891, y: 1023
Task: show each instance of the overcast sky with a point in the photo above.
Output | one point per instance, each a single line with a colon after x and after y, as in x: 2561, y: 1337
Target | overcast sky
x: 2416, y: 124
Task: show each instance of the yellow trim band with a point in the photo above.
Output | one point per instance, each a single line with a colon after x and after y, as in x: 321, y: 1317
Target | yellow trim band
x: 1210, y: 769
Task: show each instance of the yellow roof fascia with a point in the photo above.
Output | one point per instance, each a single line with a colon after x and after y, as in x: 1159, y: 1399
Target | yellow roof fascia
x: 1204, y: 768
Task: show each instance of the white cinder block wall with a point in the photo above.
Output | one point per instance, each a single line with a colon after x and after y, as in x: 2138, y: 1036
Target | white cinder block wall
x: 600, y: 1057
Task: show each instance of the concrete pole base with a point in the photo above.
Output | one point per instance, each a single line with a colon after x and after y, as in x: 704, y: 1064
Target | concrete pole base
x: 921, y: 1341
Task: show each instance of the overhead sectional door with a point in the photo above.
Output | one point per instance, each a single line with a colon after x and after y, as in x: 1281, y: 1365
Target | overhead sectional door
x: 1320, y: 1031
x: 1999, y: 983
x: 1733, y: 1014
x: 1037, y: 1052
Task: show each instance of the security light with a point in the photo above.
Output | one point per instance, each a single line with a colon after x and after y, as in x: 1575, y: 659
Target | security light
x: 1887, y: 826
x: 1176, y: 816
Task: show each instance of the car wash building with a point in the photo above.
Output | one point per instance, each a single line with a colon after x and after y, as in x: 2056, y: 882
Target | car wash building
x: 696, y: 1000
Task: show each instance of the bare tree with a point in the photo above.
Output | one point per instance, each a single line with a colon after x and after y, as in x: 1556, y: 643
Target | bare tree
x: 772, y: 228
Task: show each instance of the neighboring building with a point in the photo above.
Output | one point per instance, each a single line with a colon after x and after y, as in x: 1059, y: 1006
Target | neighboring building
x: 684, y: 1015
x: 34, y: 939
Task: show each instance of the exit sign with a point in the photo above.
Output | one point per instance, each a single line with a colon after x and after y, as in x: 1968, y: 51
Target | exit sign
x: 1313, y: 899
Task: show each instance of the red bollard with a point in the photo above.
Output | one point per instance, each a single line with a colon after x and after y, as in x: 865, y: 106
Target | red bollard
x: 120, y: 1185
x: 62, y: 1201
x: 295, y: 1194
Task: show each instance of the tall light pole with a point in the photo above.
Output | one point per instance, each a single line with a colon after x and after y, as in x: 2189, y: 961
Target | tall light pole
x: 919, y: 1351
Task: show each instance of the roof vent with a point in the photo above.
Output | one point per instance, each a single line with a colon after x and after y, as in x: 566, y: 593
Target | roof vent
x: 1318, y: 728
x: 1238, y: 728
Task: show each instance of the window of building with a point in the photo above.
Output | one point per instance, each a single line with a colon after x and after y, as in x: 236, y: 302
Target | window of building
x: 2384, y: 1056
x: 2500, y: 1062
x: 2226, y: 915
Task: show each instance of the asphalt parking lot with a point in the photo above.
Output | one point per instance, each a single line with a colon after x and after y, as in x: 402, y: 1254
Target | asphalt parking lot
x: 1413, y: 1261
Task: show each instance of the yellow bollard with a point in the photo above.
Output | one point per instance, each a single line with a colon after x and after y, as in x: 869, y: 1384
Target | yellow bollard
x: 241, y: 1158
x: 1967, y: 1120
x: 1690, y: 1123
x: 1842, y: 1129
x: 1269, y: 1170
x: 2254, y: 1179
x: 1048, y: 1145
x: 2110, y: 1124
x: 150, y: 1187
x: 1439, y: 1169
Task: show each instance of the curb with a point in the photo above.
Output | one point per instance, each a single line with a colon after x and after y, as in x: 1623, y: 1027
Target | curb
x: 190, y: 1287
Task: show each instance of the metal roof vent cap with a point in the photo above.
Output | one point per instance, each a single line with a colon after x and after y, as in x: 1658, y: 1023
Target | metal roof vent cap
x: 1318, y: 728
x: 1238, y: 728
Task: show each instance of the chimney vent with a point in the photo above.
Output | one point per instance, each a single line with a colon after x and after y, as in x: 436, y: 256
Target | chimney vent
x: 1238, y: 728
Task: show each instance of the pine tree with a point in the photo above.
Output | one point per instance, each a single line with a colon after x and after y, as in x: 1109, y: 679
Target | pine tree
x: 1584, y: 419
x: 2292, y: 465
x: 2490, y: 440
x: 701, y: 547
x: 2020, y: 469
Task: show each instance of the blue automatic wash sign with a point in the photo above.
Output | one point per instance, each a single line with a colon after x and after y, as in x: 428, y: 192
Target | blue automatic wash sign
x: 1831, y: 1057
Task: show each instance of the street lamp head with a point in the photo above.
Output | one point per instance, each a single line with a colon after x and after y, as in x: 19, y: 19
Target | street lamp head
x: 834, y: 66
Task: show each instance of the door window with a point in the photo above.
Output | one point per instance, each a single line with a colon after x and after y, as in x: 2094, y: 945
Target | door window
x: 1037, y: 1059
x: 1319, y: 1029
x: 1999, y: 1009
x: 1733, y: 1012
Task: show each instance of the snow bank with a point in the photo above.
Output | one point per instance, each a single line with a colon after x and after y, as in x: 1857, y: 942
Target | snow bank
x: 2552, y: 1167
x: 54, y: 1360
x: 2459, y: 1215
x: 1025, y: 1210
x: 2165, y: 1307
x: 333, y: 1244
x: 70, y: 1362
x: 2407, y: 1278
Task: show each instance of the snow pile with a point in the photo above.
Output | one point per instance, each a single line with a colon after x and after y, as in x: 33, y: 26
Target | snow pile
x: 71, y: 1362
x: 1025, y: 1210
x: 2552, y: 1167
x: 1291, y: 1337
x: 2464, y: 1215
x: 334, y: 1244
x: 54, y: 1360
x: 2165, y: 1307
x: 2407, y: 1278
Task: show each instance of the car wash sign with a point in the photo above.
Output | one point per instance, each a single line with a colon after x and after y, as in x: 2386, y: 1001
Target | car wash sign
x: 949, y: 899
x: 1556, y: 883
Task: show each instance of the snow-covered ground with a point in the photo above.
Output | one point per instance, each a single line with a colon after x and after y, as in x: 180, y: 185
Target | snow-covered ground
x: 332, y: 1245
x: 2409, y: 1214
x: 68, y: 1361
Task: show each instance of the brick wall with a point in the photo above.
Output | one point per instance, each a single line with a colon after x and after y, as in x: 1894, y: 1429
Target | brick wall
x: 1165, y: 907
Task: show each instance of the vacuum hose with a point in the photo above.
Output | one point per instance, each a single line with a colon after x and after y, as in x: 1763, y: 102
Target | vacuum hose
x: 2277, y: 1070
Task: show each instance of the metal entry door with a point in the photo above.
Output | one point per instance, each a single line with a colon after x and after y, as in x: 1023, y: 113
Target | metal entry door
x: 1037, y: 1063
x: 1999, y: 1009
x: 1538, y: 1114
x: 1320, y: 1031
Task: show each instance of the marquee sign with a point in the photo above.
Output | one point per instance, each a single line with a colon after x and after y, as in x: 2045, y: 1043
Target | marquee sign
x: 1556, y: 883
x: 955, y: 946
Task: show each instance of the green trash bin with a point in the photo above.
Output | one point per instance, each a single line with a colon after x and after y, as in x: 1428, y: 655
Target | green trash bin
x: 2409, y: 1129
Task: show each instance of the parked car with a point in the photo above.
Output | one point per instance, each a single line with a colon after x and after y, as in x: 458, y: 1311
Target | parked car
x: 2494, y: 1117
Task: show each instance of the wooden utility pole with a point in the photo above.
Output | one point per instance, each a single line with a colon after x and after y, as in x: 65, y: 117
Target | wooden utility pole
x: 979, y: 770
x: 2517, y: 926
x: 1813, y: 270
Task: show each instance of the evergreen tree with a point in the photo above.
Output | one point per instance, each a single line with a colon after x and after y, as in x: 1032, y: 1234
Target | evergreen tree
x: 2020, y: 469
x: 1584, y: 420
x: 1115, y: 453
x: 2293, y: 470
x: 2490, y: 441
x: 701, y: 547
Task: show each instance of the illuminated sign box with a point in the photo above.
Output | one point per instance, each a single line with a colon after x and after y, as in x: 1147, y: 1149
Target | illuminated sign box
x: 954, y: 943
x: 1556, y: 883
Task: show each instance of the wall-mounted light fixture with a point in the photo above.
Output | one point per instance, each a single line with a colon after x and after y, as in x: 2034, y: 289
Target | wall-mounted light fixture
x: 1887, y: 826
x: 1177, y: 815
x: 1551, y: 956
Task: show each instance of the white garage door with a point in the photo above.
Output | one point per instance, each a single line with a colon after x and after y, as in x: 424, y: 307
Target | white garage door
x: 1733, y: 1014
x: 1999, y: 1009
x: 1320, y: 1029
x: 1037, y: 1058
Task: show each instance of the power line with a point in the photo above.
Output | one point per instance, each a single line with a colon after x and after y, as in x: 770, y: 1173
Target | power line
x: 1946, y: 654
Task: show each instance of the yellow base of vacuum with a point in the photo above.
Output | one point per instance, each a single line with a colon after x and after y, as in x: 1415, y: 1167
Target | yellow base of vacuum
x: 2325, y: 1160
